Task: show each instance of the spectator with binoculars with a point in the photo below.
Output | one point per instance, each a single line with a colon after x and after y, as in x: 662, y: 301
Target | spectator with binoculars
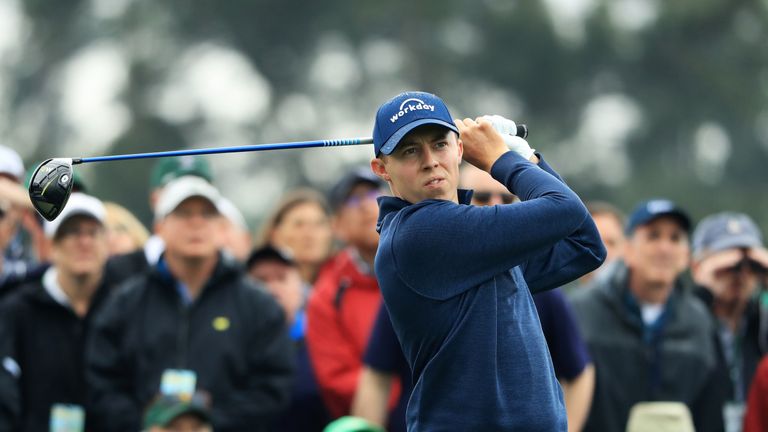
x: 729, y: 266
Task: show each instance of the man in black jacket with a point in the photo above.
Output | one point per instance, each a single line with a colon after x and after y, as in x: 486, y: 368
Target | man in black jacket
x: 9, y: 400
x: 122, y: 267
x: 45, y: 323
x: 195, y: 311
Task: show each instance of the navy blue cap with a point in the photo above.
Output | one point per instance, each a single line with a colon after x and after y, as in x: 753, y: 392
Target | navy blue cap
x: 404, y: 112
x: 340, y: 191
x: 267, y: 253
x: 726, y: 230
x: 647, y: 211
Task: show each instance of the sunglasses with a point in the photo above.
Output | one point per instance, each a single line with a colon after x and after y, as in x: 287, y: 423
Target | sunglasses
x: 78, y: 231
x: 355, y: 201
x: 482, y: 197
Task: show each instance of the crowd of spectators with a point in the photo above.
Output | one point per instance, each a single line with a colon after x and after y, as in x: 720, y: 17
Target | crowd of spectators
x: 196, y: 324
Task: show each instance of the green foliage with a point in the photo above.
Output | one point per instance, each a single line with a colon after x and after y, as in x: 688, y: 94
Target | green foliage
x: 695, y: 63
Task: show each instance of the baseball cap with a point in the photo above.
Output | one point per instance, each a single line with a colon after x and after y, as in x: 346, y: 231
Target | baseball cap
x: 405, y: 112
x: 167, y: 169
x: 267, y: 253
x: 11, y: 163
x: 78, y: 204
x: 341, y: 190
x: 649, y: 210
x: 168, y: 408
x: 660, y: 416
x: 230, y: 211
x: 725, y: 230
x: 352, y: 424
x: 181, y: 189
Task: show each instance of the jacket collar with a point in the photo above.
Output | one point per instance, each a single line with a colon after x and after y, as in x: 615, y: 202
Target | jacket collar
x: 616, y: 293
x: 48, y: 291
x: 391, y: 205
x: 226, y: 268
x: 53, y: 289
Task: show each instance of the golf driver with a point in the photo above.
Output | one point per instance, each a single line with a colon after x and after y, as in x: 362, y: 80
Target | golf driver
x: 51, y: 183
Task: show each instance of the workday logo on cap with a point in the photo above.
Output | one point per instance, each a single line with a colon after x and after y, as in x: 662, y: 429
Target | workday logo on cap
x: 403, y: 113
x: 411, y: 104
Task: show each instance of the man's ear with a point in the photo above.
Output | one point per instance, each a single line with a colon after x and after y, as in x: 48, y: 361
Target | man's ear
x: 380, y: 169
x: 461, y: 149
x: 158, y: 227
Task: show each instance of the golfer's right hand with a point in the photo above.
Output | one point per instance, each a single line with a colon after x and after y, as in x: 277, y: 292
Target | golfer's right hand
x: 508, y: 129
x: 483, y: 145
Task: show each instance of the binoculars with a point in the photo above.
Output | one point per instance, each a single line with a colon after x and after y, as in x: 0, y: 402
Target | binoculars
x: 754, y: 266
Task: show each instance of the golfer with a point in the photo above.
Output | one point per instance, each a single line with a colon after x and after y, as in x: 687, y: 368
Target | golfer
x: 457, y: 279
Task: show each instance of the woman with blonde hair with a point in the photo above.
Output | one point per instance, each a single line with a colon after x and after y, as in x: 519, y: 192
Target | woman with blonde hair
x: 125, y: 233
x: 300, y: 225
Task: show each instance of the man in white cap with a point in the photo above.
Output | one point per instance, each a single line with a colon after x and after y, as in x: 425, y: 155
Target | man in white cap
x: 122, y: 267
x: 15, y: 267
x: 10, y: 193
x: 46, y: 322
x: 194, y: 318
x: 11, y: 166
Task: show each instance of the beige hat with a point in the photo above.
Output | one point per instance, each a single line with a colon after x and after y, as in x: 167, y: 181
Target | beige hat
x: 182, y: 188
x: 11, y: 163
x: 78, y: 204
x: 660, y: 417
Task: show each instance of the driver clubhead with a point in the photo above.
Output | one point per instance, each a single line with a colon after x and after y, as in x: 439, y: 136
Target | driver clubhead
x: 50, y: 187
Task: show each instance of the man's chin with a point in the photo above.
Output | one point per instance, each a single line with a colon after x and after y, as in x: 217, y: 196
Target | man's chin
x: 736, y: 292
x: 197, y: 253
x: 440, y: 194
x: 83, y: 271
x: 662, y: 280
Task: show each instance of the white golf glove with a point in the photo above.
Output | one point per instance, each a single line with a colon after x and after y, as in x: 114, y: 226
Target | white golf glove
x: 508, y: 130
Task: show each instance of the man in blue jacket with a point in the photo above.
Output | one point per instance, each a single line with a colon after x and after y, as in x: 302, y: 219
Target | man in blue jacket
x: 457, y: 279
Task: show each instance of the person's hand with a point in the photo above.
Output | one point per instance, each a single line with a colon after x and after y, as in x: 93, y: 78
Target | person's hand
x: 483, y: 145
x: 508, y: 130
x: 14, y: 194
x: 759, y: 255
x: 707, y: 269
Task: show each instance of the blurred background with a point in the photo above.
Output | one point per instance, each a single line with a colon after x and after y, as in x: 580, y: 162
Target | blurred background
x: 628, y: 99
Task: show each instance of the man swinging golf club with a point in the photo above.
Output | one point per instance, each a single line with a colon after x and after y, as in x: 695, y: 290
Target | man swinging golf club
x: 457, y: 279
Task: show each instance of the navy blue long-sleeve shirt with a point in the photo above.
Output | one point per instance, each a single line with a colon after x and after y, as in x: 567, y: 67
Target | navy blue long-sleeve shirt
x: 457, y: 280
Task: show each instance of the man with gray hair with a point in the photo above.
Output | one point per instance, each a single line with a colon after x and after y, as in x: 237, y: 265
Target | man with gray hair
x: 729, y: 266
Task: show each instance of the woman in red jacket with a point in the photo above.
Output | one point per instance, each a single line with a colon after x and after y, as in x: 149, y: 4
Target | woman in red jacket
x: 756, y: 418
